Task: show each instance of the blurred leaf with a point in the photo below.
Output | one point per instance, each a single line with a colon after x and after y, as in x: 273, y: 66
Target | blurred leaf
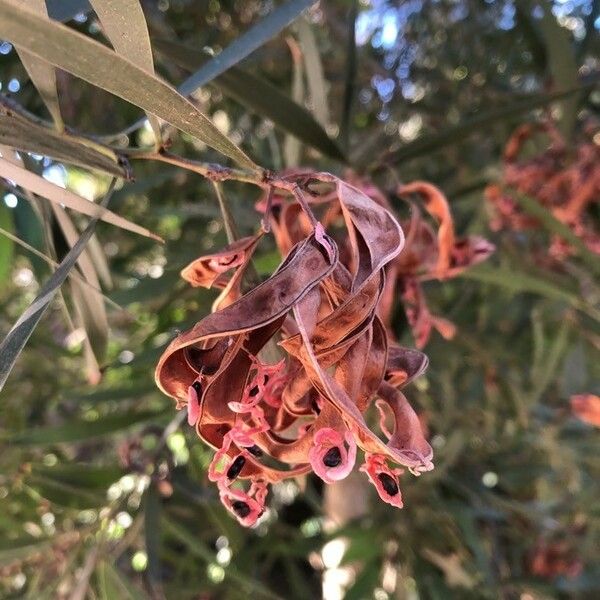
x: 90, y: 315
x: 575, y: 374
x: 561, y: 62
x: 350, y: 75
x: 42, y: 73
x: 317, y: 87
x: 245, y: 44
x: 76, y: 53
x: 199, y: 549
x: 477, y: 123
x: 37, y: 254
x: 366, y: 581
x: 125, y: 26
x: 451, y: 566
x: 6, y: 244
x: 260, y: 96
x: 519, y: 282
x: 84, y: 475
x: 363, y: 546
x: 17, y: 337
x: 98, y: 256
x: 152, y: 534
x: 266, y: 263
x: 17, y: 549
x: 114, y: 585
x: 549, y: 365
x: 88, y: 300
x: 66, y: 494
x: 77, y: 431
x: 29, y: 229
x: 52, y: 192
x: 26, y: 132
x: 553, y: 225
x: 291, y: 144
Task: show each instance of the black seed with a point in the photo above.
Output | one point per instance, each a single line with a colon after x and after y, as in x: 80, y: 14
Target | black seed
x: 236, y: 466
x: 196, y: 385
x: 389, y: 483
x: 254, y: 391
x: 240, y: 508
x: 333, y: 457
x: 255, y: 451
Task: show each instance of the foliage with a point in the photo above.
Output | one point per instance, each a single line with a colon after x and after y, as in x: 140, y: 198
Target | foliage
x: 104, y: 490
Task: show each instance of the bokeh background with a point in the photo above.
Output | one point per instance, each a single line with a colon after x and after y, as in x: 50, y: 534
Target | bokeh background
x: 102, y: 495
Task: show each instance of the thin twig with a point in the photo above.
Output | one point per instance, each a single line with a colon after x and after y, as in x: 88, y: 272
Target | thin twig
x: 228, y: 221
x: 211, y: 171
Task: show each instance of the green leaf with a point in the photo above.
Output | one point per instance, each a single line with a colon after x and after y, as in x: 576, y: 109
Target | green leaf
x: 260, y: 96
x: 152, y: 515
x: 550, y: 363
x: 100, y: 66
x: 87, y: 299
x: 66, y: 494
x: 317, y: 87
x: 519, y: 282
x: 350, y: 75
x: 18, y: 549
x: 42, y: 74
x: 553, y: 225
x: 292, y: 147
x: 77, y: 431
x: 60, y: 196
x: 26, y: 132
x: 366, y: 581
x: 6, y: 244
x: 563, y: 67
x: 477, y: 123
x: 125, y: 26
x: 17, y: 337
x: 83, y: 475
x: 199, y: 549
x: 114, y: 585
x: 244, y: 45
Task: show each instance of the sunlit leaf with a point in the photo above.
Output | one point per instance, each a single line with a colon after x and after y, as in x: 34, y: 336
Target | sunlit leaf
x: 100, y: 66
x: 45, y: 189
x: 125, y: 26
x: 42, y: 74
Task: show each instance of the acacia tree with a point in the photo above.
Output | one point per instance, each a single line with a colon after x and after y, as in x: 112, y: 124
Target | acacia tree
x: 292, y: 154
